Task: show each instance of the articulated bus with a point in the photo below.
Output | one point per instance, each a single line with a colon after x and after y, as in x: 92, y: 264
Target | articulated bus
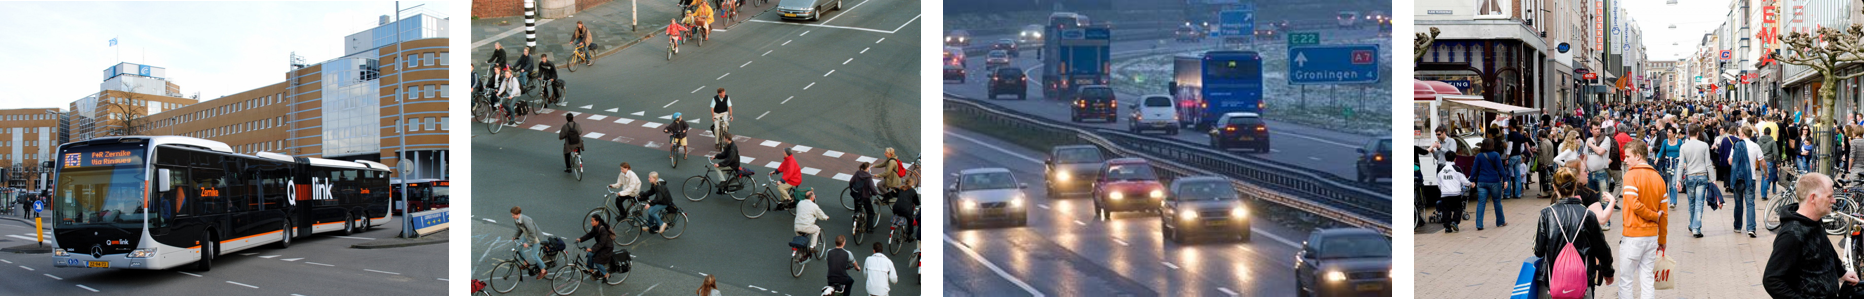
x: 159, y: 202
x: 429, y: 194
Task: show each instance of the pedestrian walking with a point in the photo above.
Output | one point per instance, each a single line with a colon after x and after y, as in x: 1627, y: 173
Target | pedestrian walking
x: 1488, y: 175
x: 1570, y: 222
x: 1646, y: 224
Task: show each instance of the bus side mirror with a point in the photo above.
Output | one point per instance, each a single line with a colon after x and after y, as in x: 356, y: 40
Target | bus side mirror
x: 1172, y: 87
x: 161, y: 176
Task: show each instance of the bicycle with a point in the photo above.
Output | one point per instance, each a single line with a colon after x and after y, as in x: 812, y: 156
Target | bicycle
x: 675, y: 219
x: 576, y: 157
x: 578, y: 56
x: 502, y: 278
x: 496, y: 116
x: 674, y: 147
x: 699, y: 186
x: 566, y: 282
x: 613, y: 214
x: 1772, y: 218
x: 764, y: 200
x: 897, y: 238
x: 912, y: 179
x: 800, y: 253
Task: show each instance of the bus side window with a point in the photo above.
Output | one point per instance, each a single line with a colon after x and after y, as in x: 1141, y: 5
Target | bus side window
x: 209, y: 183
x: 180, y: 199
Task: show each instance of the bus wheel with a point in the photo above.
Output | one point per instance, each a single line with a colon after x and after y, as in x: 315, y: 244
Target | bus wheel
x: 367, y: 223
x: 286, y: 230
x: 207, y: 254
x: 349, y: 225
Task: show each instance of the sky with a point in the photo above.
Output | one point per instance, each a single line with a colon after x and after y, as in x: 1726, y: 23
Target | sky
x: 56, y: 51
x: 1692, y: 18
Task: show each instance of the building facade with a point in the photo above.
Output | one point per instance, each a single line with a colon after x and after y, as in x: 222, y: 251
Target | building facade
x: 27, y: 137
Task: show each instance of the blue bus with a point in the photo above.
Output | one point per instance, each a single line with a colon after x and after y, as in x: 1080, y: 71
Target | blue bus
x: 1217, y: 82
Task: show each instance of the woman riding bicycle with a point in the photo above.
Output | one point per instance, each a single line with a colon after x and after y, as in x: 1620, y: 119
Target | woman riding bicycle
x: 604, y: 249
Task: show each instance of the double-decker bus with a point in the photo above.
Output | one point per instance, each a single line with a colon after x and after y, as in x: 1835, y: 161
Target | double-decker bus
x: 158, y: 202
x: 428, y: 194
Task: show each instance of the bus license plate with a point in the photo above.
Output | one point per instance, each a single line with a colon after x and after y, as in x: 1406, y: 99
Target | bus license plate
x: 100, y: 264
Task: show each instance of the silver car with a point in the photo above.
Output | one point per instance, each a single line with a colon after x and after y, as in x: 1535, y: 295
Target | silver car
x: 986, y: 194
x: 806, y: 9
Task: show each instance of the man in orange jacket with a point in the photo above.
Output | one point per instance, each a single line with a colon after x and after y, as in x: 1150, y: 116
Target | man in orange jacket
x: 1646, y: 223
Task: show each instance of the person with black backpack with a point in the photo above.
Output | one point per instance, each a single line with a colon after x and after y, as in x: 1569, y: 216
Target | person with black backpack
x: 1569, y: 226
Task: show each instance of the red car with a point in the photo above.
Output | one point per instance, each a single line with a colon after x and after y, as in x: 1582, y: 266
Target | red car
x: 1127, y: 184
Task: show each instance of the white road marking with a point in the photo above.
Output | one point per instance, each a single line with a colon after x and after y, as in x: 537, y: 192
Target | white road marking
x: 1079, y: 222
x: 651, y: 125
x: 864, y: 50
x: 358, y: 238
x: 292, y: 259
x: 87, y: 288
x: 488, y: 220
x: 27, y: 268
x: 321, y: 264
x: 613, y: 110
x: 494, y: 38
x: 1290, y: 244
x: 786, y: 100
x: 540, y: 127
x: 670, y: 104
x: 53, y: 277
x: 745, y: 64
x: 267, y: 256
x: 881, y: 40
x: 832, y: 72
x: 696, y: 90
x: 843, y: 177
x: 766, y: 53
x: 1228, y: 291
x: 811, y: 170
x: 242, y: 284
x: 7, y: 261
x: 623, y: 120
x: 787, y: 42
x: 649, y: 288
x: 768, y: 143
x: 667, y: 117
x: 1012, y: 154
x: 597, y: 117
x: 380, y: 271
x: 805, y: 32
x: 639, y: 113
x: 802, y: 149
x: 846, y: 62
x: 825, y: 26
x: 993, y: 267
x: 1313, y: 158
x: 811, y: 84
x: 866, y: 159
x: 832, y: 154
x: 24, y: 237
x: 903, y: 26
x: 1169, y: 265
x: 743, y: 159
x: 442, y: 279
x: 1043, y: 206
x: 720, y: 77
x: 1274, y: 150
x: 773, y: 164
x: 593, y: 135
x: 761, y: 116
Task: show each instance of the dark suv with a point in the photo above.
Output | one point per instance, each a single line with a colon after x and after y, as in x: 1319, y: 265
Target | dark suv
x: 1070, y: 168
x: 1007, y: 45
x: 1239, y: 129
x: 1009, y: 80
x: 1204, y: 205
x: 1353, y: 262
x: 1095, y: 102
x: 1375, y: 160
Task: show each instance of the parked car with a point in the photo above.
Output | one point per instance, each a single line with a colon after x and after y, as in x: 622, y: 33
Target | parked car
x: 1030, y: 35
x: 954, y: 72
x: 1071, y: 168
x: 1375, y: 160
x: 1127, y: 184
x: 1008, y: 46
x: 1352, y: 262
x: 996, y: 58
x: 1009, y: 80
x: 1095, y: 102
x: 1154, y: 112
x: 1204, y: 205
x: 958, y: 38
x: 1240, y: 129
x: 806, y: 9
x: 986, y: 194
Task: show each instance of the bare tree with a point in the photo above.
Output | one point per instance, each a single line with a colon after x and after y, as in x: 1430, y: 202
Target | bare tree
x: 122, y: 117
x: 1423, y: 42
x: 1825, y: 53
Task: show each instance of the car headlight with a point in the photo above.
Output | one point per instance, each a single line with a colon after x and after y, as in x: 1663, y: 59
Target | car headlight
x: 1063, y: 176
x: 60, y: 252
x: 1016, y: 202
x: 1336, y: 276
x: 1239, y: 212
x: 1157, y: 194
x: 968, y: 204
x: 1116, y: 195
x: 1189, y: 215
x: 142, y: 253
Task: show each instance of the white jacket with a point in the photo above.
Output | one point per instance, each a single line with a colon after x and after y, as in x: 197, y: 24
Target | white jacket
x: 880, y: 274
x: 1452, y: 182
x: 630, y: 184
x: 807, y: 212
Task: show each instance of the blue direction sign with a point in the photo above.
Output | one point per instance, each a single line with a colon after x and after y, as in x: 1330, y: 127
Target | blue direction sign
x: 38, y: 206
x: 1333, y: 64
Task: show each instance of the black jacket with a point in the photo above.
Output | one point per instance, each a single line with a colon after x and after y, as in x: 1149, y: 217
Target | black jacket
x: 524, y: 63
x: 863, y: 185
x: 604, y: 243
x: 903, y: 207
x: 840, y: 260
x: 1803, y: 264
x: 657, y: 194
x: 728, y: 159
x: 547, y: 70
x: 677, y: 128
x: 1590, y: 240
x: 498, y: 58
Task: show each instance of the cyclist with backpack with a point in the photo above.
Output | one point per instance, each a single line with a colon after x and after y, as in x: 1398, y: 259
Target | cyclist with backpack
x: 1573, y: 249
x: 604, y: 250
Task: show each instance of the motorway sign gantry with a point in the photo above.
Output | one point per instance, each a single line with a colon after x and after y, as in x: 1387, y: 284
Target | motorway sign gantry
x: 1333, y: 64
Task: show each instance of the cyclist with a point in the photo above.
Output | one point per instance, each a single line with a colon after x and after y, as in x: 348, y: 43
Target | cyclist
x: 583, y: 39
x: 673, y: 34
x: 727, y: 160
x: 629, y: 184
x: 903, y: 211
x: 880, y: 272
x: 498, y: 55
x: 791, y: 176
x: 721, y: 115
x: 677, y: 132
x: 892, y: 176
x: 548, y: 72
x: 523, y: 67
x: 657, y: 199
x: 840, y: 260
x: 863, y: 189
x: 571, y: 134
x: 530, y: 240
x: 509, y: 91
x: 604, y: 249
x: 702, y: 20
x: 807, y: 213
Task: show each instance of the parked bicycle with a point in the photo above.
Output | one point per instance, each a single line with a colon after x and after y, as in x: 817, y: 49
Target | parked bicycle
x: 700, y: 186
x: 570, y: 276
x: 510, y: 272
x: 765, y: 200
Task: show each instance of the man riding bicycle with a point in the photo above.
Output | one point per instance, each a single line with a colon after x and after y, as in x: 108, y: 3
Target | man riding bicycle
x: 530, y: 240
x: 727, y: 160
x: 807, y: 213
x: 523, y: 67
x: 721, y: 115
x: 583, y: 38
x: 840, y: 260
x: 548, y: 72
x: 677, y: 132
x: 903, y: 216
x: 509, y: 91
x: 862, y: 188
x: 571, y: 134
x: 791, y: 176
x: 629, y: 184
x: 657, y: 199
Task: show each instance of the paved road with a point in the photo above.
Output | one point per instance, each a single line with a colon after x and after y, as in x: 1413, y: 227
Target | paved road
x: 1064, y: 251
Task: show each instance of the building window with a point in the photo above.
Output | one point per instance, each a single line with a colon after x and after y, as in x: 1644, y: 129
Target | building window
x: 414, y: 124
x: 430, y: 58
x: 429, y: 125
x: 444, y: 125
x: 444, y: 93
x: 430, y: 91
x: 412, y: 62
x: 443, y: 58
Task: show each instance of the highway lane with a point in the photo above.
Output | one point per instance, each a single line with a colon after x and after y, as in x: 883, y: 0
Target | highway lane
x: 1064, y: 251
x: 1320, y: 149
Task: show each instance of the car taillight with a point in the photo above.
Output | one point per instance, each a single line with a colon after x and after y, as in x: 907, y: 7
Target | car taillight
x: 1229, y: 128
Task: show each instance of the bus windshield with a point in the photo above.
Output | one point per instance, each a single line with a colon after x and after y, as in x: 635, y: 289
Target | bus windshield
x: 440, y: 194
x: 101, y: 185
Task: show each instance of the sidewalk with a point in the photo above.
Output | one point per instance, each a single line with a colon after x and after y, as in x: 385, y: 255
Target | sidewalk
x: 1483, y: 264
x: 609, y: 22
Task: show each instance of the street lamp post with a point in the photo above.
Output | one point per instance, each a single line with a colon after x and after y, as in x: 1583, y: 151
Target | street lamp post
x: 401, y: 155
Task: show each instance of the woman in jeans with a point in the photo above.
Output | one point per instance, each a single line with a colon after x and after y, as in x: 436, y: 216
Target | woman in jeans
x: 1488, y: 172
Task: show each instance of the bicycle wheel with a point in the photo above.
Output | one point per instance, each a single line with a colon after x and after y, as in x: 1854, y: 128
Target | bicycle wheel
x: 856, y: 231
x: 602, y: 212
x: 1772, y: 218
x: 574, y: 60
x: 676, y: 225
x: 746, y: 187
x: 505, y: 277
x: 627, y: 232
x: 897, y: 241
x: 673, y: 150
x: 755, y: 207
x: 1833, y: 225
x: 797, y: 263
x: 696, y: 187
x: 524, y: 111
x: 497, y: 121
x: 567, y: 282
x: 579, y: 171
x: 847, y: 198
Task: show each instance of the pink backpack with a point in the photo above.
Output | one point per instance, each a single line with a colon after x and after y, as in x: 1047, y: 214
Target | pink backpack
x: 1567, y: 278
